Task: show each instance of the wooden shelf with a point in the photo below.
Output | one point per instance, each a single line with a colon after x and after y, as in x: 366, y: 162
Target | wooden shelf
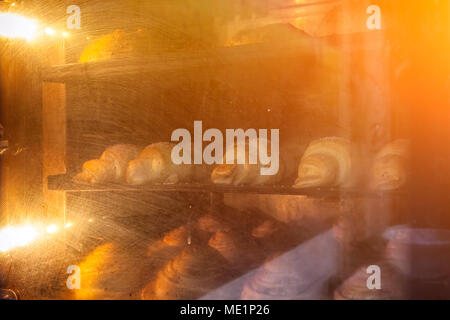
x: 262, y: 53
x: 173, y: 61
x: 66, y: 183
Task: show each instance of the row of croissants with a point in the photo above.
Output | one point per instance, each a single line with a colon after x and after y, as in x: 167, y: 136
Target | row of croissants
x: 326, y: 162
x: 208, y: 260
x: 202, y: 259
x: 215, y: 256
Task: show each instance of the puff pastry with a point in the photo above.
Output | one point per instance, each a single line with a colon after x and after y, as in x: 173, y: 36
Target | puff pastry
x: 389, y: 168
x: 328, y: 162
x: 112, y: 165
x: 154, y: 165
x: 245, y: 174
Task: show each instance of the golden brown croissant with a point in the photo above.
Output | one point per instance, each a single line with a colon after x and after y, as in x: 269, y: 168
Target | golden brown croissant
x: 177, y: 237
x: 211, y: 223
x: 272, y: 33
x: 328, y: 162
x: 106, y: 47
x: 389, y: 168
x: 265, y: 229
x: 244, y: 174
x: 154, y: 164
x: 171, y: 244
x: 107, y: 272
x: 112, y: 165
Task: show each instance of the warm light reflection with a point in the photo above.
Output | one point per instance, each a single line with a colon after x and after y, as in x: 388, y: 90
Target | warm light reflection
x: 93, y: 268
x: 49, y: 31
x: 18, y: 236
x: 52, y: 228
x: 16, y: 26
x: 68, y: 225
x: 11, y: 237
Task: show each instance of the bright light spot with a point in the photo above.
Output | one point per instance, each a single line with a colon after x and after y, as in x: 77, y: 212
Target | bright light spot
x: 49, y: 31
x: 68, y: 225
x: 51, y: 228
x: 13, y: 4
x: 15, y: 26
x: 11, y: 237
x: 65, y: 34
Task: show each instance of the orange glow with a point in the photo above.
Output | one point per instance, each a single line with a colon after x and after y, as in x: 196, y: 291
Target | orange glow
x: 103, y: 47
x: 91, y: 269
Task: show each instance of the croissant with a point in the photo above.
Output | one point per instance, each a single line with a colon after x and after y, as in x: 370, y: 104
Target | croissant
x: 265, y: 229
x: 154, y: 164
x: 171, y: 244
x: 190, y: 275
x: 272, y: 33
x: 273, y: 236
x: 108, y: 272
x: 355, y: 287
x: 111, y: 167
x: 240, y: 251
x: 211, y: 223
x: 243, y: 174
x: 389, y: 168
x: 175, y: 238
x: 281, y: 279
x: 328, y: 162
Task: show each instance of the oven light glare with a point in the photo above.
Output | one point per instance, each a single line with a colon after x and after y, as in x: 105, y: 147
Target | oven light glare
x: 16, y: 26
x: 68, y: 225
x: 52, y: 229
x: 11, y: 237
x: 49, y: 31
